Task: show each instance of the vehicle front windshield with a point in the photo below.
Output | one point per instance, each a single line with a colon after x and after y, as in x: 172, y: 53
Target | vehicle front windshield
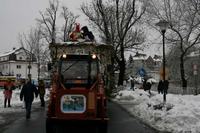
x: 74, y: 69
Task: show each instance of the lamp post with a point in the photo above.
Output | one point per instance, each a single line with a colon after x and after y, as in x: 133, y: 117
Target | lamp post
x: 163, y: 26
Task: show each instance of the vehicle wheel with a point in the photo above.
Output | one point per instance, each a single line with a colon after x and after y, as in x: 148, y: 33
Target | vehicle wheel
x: 102, y: 128
x: 49, y: 126
x: 53, y: 126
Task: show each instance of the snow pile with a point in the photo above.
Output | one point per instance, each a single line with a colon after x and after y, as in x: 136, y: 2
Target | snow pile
x: 180, y: 114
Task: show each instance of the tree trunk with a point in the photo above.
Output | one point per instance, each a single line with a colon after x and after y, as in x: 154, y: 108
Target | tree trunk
x: 38, y: 71
x: 182, y: 70
x: 121, y: 72
x: 122, y: 65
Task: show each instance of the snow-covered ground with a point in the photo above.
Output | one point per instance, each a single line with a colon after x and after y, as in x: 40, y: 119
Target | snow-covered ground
x: 181, y: 113
x: 17, y: 105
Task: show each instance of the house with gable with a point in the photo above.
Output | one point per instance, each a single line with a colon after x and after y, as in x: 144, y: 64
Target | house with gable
x: 18, y: 62
x: 150, y: 64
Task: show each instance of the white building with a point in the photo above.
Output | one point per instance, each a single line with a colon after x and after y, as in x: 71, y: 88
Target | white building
x: 16, y: 63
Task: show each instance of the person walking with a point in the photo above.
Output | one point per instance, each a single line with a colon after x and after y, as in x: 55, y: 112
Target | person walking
x: 27, y: 93
x: 8, y: 87
x: 160, y: 87
x: 132, y: 83
x: 41, y: 90
x: 166, y: 86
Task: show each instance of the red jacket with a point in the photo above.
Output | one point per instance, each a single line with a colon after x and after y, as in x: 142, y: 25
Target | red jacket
x: 8, y: 87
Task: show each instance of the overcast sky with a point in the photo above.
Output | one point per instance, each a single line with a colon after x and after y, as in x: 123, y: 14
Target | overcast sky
x: 18, y: 16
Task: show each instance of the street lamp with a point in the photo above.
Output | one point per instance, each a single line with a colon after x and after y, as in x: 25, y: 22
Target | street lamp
x: 163, y: 26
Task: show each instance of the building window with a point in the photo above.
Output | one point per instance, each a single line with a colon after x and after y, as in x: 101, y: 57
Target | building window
x: 18, y: 76
x: 27, y: 58
x: 20, y: 58
x: 18, y: 66
x: 29, y: 67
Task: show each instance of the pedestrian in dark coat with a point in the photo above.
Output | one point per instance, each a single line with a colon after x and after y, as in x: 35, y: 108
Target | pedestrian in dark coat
x: 144, y: 84
x: 163, y: 86
x: 131, y: 80
x: 27, y: 93
x: 147, y: 85
x: 41, y: 90
x: 160, y: 87
x: 166, y: 86
x: 132, y: 84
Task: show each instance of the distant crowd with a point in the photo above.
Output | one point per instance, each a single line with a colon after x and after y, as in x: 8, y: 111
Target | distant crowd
x: 146, y: 84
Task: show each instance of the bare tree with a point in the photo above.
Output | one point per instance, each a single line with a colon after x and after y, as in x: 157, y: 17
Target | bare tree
x: 69, y: 20
x: 38, y: 47
x: 34, y: 44
x: 48, y: 19
x: 116, y: 19
x: 27, y: 43
x: 183, y: 16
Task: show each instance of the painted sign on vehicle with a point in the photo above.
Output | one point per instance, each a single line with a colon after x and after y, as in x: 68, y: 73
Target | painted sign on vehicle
x: 73, y: 103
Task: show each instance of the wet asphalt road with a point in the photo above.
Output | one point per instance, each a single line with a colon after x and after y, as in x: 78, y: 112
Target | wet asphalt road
x: 34, y: 125
x: 123, y: 122
x: 120, y: 122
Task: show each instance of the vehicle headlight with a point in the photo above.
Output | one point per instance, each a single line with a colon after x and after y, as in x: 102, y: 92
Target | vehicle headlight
x: 94, y: 56
x: 64, y: 56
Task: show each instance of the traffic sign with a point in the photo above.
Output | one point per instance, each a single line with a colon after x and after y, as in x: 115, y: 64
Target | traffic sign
x: 142, y: 72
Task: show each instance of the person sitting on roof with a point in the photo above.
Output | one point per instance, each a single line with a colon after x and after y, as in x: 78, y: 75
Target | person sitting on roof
x: 76, y: 34
x: 87, y: 35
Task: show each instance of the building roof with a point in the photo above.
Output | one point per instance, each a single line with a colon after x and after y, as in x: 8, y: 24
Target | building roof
x: 14, y: 50
x: 140, y: 56
x: 8, y: 52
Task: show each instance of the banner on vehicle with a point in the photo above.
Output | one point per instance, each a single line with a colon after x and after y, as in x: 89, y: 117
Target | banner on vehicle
x: 73, y: 103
